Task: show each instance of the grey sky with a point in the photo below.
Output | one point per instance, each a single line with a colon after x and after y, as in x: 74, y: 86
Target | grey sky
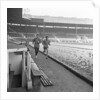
x: 64, y: 9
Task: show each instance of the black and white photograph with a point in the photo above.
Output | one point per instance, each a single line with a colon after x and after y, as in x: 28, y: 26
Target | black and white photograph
x: 50, y: 47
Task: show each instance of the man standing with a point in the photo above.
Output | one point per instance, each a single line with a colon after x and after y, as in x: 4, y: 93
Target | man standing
x: 36, y: 42
x: 46, y: 44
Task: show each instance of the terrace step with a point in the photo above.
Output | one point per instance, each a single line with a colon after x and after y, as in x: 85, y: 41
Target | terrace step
x: 16, y: 82
x: 11, y: 75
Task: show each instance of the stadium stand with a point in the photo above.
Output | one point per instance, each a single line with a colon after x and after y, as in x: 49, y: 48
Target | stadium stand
x: 51, y: 32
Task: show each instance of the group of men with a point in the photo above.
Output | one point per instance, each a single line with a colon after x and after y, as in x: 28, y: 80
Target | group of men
x: 45, y: 42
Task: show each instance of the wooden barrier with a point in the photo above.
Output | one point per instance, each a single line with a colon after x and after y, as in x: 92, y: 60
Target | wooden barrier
x: 28, y: 71
x: 33, y: 73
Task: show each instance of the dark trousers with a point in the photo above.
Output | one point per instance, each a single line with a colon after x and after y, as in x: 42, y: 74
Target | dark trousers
x: 36, y: 50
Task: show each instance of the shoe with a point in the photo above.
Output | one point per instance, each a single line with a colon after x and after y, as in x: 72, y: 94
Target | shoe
x: 46, y: 57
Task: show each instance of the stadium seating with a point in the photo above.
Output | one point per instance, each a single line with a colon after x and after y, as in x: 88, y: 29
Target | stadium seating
x: 14, y: 34
x: 29, y: 31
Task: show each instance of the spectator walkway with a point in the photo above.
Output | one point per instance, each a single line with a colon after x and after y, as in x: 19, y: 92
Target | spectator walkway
x: 62, y: 79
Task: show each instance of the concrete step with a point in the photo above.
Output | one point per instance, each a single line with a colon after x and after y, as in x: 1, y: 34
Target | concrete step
x: 16, y: 82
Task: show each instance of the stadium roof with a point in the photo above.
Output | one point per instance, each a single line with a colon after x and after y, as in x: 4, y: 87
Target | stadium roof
x: 54, y: 21
x: 51, y: 19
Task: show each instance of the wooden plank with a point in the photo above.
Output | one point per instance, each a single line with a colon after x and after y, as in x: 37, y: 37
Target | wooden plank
x: 45, y: 77
x: 45, y: 80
